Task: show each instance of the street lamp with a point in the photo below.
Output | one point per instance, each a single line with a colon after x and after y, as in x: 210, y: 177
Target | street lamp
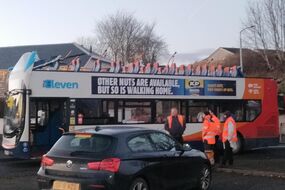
x: 172, y: 57
x: 240, y: 41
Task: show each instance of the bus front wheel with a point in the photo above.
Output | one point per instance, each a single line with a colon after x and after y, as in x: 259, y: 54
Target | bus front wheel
x: 239, y: 145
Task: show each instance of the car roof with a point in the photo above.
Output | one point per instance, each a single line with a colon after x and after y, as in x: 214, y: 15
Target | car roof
x: 114, y: 130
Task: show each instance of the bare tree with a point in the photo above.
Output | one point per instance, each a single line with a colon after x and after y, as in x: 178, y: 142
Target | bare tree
x: 126, y: 39
x: 119, y: 33
x: 90, y: 43
x: 268, y: 17
x: 87, y: 41
x: 150, y: 46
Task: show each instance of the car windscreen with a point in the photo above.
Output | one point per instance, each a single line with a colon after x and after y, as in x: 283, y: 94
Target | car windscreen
x: 84, y: 145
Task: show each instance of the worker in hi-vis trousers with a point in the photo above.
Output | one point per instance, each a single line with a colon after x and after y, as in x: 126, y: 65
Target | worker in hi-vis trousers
x: 208, y: 136
x: 217, y: 129
x: 229, y: 138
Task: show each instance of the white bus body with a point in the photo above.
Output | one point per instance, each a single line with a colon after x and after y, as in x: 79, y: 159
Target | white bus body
x: 43, y: 100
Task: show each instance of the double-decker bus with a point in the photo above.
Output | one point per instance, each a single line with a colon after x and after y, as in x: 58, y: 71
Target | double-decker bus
x: 42, y: 103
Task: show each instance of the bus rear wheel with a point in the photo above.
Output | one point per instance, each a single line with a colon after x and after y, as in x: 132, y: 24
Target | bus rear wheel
x: 239, y: 145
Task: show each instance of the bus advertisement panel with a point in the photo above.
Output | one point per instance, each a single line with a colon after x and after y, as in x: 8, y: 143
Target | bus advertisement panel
x: 137, y: 86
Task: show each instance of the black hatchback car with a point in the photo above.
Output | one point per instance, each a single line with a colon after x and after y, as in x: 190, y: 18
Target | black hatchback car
x: 122, y: 158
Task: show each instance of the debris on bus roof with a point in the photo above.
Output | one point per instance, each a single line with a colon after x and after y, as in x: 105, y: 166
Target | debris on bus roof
x: 96, y: 65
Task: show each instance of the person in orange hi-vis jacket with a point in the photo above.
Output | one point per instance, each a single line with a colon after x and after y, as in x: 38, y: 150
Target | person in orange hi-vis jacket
x: 175, y: 125
x: 229, y: 138
x: 208, y: 132
x: 217, y: 129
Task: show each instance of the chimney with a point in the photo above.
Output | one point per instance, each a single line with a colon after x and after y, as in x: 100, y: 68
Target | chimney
x: 90, y: 49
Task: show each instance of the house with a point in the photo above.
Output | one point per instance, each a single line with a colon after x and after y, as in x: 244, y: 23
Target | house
x: 10, y: 55
x: 254, y: 63
x: 220, y: 55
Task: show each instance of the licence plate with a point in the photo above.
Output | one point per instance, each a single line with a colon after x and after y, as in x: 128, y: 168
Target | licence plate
x: 62, y: 185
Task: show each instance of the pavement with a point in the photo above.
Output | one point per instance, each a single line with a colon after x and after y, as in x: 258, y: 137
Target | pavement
x: 262, y: 169
x: 267, y: 160
x: 248, y: 172
x: 18, y: 174
x: 232, y: 181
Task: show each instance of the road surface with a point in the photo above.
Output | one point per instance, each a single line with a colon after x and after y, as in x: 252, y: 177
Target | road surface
x: 21, y: 175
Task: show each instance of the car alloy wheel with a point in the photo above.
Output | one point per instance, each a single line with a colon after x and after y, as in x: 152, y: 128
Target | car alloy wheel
x: 205, y: 179
x: 139, y: 184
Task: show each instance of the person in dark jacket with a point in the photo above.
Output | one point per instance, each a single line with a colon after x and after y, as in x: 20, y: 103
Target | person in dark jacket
x: 175, y: 125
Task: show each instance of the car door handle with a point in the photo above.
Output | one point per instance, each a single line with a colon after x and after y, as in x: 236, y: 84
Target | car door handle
x: 176, y: 154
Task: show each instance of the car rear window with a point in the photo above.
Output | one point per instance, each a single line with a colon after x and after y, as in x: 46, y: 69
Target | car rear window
x: 87, y: 145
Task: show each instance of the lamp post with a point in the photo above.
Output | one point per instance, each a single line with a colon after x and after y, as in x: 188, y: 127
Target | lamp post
x: 283, y: 37
x: 172, y: 57
x: 240, y: 41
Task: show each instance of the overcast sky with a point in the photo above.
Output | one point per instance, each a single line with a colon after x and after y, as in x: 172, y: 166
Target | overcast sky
x: 188, y: 26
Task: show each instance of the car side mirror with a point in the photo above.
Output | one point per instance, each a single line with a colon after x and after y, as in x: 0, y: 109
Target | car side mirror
x: 186, y: 147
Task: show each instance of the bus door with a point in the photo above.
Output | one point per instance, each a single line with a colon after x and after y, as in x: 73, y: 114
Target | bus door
x: 48, y: 120
x: 281, y: 104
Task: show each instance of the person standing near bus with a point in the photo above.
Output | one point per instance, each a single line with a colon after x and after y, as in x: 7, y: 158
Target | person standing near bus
x: 208, y: 132
x: 175, y: 125
x: 208, y: 136
x: 217, y: 130
x: 229, y: 138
